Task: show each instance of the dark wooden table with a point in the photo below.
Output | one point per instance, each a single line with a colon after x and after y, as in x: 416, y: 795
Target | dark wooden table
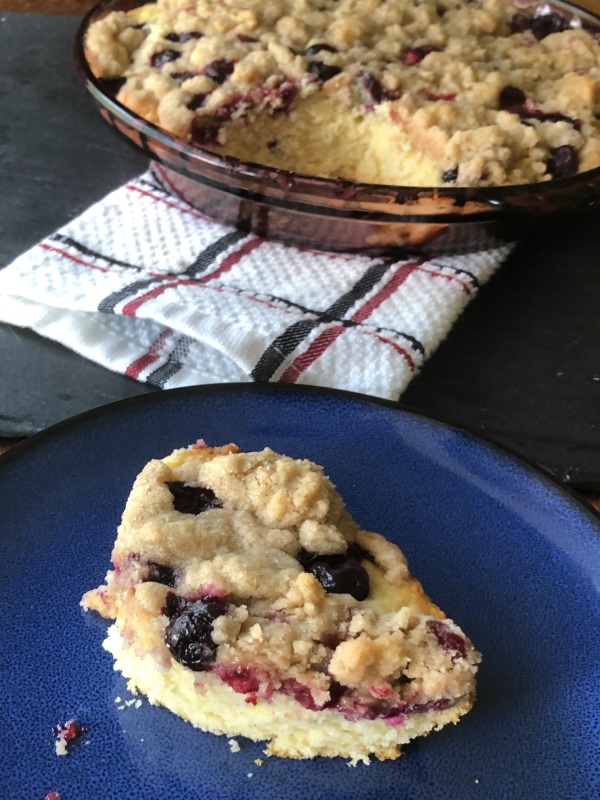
x: 47, y: 6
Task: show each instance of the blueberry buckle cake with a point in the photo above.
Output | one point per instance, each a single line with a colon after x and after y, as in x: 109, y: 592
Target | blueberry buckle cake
x: 247, y: 601
x: 397, y: 92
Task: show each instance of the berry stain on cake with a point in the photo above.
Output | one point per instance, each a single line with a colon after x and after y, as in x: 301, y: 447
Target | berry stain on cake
x: 246, y: 600
x: 400, y: 92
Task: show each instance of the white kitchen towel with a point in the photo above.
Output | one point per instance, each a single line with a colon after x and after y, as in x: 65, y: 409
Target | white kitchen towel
x: 147, y: 286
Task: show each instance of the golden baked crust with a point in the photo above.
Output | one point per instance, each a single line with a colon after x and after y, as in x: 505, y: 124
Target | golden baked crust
x: 248, y: 601
x: 429, y: 92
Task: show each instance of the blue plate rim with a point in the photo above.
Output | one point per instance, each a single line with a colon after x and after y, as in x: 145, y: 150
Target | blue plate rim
x: 581, y: 521
x: 545, y: 476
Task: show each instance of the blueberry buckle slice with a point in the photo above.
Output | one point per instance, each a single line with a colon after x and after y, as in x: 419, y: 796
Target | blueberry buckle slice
x: 338, y: 573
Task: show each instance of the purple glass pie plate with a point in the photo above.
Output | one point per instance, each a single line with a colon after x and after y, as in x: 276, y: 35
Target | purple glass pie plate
x: 340, y: 215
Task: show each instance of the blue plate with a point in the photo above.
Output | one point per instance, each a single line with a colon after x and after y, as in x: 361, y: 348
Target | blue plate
x: 511, y: 557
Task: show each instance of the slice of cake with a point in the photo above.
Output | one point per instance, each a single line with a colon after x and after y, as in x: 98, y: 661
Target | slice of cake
x: 247, y: 601
x: 400, y: 92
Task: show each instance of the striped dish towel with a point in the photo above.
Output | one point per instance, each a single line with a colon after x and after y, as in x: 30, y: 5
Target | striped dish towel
x: 145, y: 285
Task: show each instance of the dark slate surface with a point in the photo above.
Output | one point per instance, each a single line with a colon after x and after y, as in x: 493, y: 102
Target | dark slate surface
x: 56, y: 158
x: 522, y: 365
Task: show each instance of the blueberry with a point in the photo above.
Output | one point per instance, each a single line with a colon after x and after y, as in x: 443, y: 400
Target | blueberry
x: 183, y: 76
x: 447, y: 639
x: 305, y: 558
x: 188, y: 635
x: 111, y: 86
x: 546, y: 24
x: 219, y: 70
x: 511, y: 96
x: 336, y: 693
x: 192, y: 499
x: 317, y: 48
x: 556, y: 116
x: 540, y: 26
x: 563, y: 161
x: 160, y: 573
x: 340, y: 573
x: 182, y: 38
x: 374, y: 88
x: 545, y: 116
x: 285, y: 94
x: 163, y: 57
x: 520, y: 22
x: 450, y: 175
x: 414, y: 55
x: 323, y: 72
x: 196, y: 102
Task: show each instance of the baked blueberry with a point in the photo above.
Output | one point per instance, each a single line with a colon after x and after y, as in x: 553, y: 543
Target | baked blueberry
x: 184, y: 76
x: 318, y: 48
x: 196, y: 102
x: 188, y: 635
x: 414, y: 55
x: 192, y: 499
x: 450, y: 175
x: 160, y: 573
x: 563, y: 161
x: 546, y: 24
x: 219, y: 69
x: 323, y: 72
x: 337, y: 573
x: 450, y: 641
x: 374, y: 88
x: 511, y: 96
x: 182, y: 38
x: 163, y: 57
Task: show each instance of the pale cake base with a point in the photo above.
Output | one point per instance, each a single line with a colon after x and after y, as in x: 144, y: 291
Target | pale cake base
x: 331, y: 140
x: 290, y: 730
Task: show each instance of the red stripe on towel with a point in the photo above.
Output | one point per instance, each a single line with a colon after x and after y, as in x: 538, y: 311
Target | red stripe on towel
x: 319, y: 345
x: 136, y: 367
x: 64, y: 254
x: 232, y: 259
x: 130, y: 309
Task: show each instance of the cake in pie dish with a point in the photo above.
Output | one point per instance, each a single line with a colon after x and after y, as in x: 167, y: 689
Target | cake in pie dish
x: 397, y: 92
x: 246, y: 600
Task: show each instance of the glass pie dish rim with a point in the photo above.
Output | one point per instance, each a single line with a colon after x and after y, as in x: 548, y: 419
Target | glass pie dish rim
x: 323, y: 195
